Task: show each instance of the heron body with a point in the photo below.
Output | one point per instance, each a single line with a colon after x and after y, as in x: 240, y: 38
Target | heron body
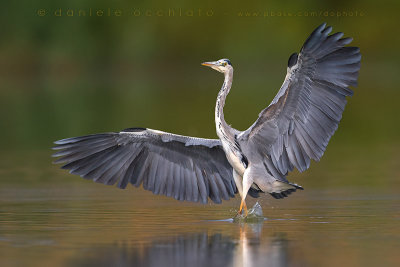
x: 245, y: 173
x: 292, y: 130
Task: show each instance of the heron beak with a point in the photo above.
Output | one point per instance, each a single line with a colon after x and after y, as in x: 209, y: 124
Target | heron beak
x: 210, y: 64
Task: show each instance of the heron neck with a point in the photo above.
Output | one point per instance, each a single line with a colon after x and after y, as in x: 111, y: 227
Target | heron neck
x: 222, y: 127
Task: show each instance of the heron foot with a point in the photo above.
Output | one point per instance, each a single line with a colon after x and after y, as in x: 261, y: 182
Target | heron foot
x: 255, y: 215
x: 242, y: 207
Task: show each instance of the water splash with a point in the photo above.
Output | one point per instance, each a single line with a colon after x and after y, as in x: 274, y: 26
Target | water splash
x: 254, y: 215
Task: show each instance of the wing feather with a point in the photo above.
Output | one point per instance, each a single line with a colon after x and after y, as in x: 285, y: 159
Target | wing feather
x: 297, y: 125
x: 186, y: 168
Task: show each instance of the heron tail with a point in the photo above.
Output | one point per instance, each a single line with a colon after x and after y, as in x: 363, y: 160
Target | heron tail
x: 282, y: 189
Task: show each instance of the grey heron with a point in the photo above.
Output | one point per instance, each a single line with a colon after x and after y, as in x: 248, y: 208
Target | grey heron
x: 295, y: 128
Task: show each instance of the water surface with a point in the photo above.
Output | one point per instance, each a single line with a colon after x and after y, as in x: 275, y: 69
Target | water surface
x: 48, y: 216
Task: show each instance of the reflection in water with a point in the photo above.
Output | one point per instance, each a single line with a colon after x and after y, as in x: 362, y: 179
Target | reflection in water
x: 254, y: 251
x: 200, y: 249
x: 73, y: 226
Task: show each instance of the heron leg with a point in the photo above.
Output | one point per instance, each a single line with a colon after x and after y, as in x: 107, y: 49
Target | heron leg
x: 243, y: 206
x: 238, y: 182
x: 246, y: 183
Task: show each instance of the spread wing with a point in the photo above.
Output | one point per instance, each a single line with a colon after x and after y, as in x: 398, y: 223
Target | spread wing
x: 298, y: 124
x: 186, y: 168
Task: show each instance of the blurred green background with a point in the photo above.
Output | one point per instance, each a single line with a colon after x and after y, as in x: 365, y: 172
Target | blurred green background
x: 64, y: 76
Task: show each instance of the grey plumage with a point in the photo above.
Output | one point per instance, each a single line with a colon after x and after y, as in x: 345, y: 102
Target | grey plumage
x: 183, y: 167
x: 298, y: 124
x: 293, y: 130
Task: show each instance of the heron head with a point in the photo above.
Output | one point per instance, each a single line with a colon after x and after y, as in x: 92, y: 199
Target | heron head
x: 222, y: 65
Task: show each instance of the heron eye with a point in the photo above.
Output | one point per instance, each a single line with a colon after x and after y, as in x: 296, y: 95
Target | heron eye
x: 224, y: 64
